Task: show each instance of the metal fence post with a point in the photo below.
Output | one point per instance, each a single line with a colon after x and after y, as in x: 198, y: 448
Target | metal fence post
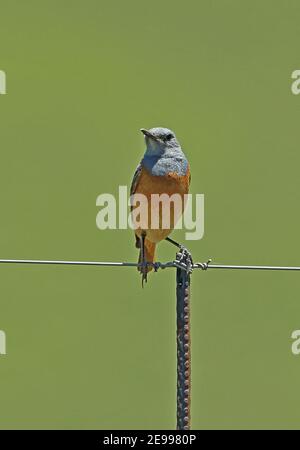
x: 183, y: 278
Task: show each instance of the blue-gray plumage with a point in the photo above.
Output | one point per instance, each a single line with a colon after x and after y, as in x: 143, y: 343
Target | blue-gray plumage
x: 163, y: 154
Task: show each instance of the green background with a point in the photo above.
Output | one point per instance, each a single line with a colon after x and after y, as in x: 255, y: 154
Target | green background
x: 87, y: 347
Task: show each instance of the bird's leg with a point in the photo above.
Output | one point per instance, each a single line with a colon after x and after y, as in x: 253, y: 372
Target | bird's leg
x: 183, y: 257
x: 173, y: 242
x: 144, y: 270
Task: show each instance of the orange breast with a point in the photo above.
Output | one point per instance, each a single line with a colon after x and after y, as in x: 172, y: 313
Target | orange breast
x: 162, y: 214
x: 169, y: 184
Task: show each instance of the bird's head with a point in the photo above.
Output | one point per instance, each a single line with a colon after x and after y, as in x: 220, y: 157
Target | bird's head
x: 158, y: 140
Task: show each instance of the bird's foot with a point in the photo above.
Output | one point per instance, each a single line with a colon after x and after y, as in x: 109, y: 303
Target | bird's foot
x: 144, y: 272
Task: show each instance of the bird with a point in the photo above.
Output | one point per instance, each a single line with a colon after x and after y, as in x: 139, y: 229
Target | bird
x: 164, y: 169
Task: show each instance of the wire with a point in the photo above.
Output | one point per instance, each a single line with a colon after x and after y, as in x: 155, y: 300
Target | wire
x: 67, y: 263
x: 205, y: 266
x: 158, y: 265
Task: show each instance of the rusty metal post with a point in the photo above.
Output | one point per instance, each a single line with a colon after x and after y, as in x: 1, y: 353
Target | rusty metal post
x: 183, y: 276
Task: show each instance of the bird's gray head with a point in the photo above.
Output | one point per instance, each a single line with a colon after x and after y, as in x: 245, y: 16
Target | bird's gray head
x: 159, y: 140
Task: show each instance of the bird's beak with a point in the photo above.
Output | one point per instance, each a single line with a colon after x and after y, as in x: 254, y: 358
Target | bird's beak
x: 148, y: 134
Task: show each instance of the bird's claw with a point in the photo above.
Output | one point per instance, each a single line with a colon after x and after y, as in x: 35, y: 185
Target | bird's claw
x: 157, y: 266
x: 144, y: 272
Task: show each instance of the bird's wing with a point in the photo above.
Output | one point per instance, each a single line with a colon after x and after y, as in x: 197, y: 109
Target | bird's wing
x: 135, y: 182
x: 136, y: 178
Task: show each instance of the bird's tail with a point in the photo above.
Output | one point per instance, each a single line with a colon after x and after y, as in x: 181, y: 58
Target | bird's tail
x: 146, y: 256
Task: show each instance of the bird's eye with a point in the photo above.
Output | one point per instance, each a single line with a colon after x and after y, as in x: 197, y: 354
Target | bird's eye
x: 169, y: 137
